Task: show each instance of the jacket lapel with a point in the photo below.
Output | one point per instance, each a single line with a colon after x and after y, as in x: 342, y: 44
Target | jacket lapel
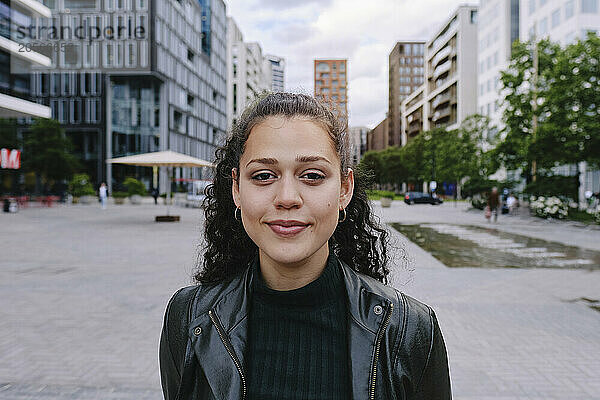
x: 219, y: 338
x: 362, y: 331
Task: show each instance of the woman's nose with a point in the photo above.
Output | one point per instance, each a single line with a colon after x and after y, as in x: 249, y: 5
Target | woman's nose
x: 288, y: 193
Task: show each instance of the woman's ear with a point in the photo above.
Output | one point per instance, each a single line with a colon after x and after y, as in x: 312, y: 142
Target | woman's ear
x: 347, y: 189
x: 235, y: 186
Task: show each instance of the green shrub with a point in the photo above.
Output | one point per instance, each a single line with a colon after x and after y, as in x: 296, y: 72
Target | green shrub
x: 80, y: 185
x: 134, y: 186
x: 554, y: 185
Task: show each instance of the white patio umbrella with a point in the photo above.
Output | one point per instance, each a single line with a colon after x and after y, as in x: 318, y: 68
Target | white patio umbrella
x: 167, y: 159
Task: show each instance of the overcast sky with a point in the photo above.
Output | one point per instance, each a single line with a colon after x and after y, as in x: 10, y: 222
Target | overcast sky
x: 363, y: 31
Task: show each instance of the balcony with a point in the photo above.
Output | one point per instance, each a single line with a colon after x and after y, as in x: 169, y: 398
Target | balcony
x: 445, y: 52
x: 33, y: 8
x: 440, y: 114
x: 440, y: 99
x: 441, y: 69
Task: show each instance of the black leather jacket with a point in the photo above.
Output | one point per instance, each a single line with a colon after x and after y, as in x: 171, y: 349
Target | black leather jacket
x: 395, y: 344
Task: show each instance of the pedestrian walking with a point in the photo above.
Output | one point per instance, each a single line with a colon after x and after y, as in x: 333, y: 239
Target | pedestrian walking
x: 155, y: 195
x: 103, y: 193
x: 291, y: 300
x: 493, y: 204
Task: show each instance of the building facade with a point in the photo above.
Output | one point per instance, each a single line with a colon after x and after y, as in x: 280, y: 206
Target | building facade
x: 331, y: 84
x: 152, y: 79
x: 406, y: 74
x: 498, y: 28
x: 16, y: 100
x: 246, y: 71
x: 274, y: 68
x: 562, y: 21
x: 378, y: 137
x: 449, y: 93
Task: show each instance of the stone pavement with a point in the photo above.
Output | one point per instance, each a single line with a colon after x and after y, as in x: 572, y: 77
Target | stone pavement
x: 83, y: 293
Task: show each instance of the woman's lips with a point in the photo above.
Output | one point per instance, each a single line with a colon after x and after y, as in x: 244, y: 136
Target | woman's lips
x: 287, y: 231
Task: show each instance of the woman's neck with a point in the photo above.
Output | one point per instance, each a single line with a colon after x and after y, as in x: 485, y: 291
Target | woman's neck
x: 292, y: 276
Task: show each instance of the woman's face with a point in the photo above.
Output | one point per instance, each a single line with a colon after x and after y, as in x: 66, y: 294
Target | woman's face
x: 290, y: 175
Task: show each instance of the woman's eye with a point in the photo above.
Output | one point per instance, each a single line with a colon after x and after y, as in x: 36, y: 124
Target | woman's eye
x: 313, y: 176
x: 262, y: 176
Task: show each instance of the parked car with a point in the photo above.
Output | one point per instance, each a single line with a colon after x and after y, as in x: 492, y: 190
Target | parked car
x: 421, y: 198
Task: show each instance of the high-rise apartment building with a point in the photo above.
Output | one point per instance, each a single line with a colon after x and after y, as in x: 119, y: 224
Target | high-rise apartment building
x: 449, y: 93
x: 17, y: 58
x: 498, y: 28
x: 331, y: 84
x: 274, y: 68
x: 247, y: 78
x: 137, y: 76
x: 406, y: 74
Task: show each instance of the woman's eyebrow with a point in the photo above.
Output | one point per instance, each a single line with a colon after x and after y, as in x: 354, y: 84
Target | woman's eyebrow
x: 301, y: 159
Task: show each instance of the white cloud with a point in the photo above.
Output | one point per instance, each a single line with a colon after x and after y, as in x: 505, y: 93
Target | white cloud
x: 363, y: 32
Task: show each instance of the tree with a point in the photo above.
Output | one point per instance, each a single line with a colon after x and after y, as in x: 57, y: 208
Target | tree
x: 571, y: 128
x: 371, y: 163
x: 525, y: 91
x: 48, y: 152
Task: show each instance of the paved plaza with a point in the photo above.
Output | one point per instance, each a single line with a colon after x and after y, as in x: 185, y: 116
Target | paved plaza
x: 83, y: 292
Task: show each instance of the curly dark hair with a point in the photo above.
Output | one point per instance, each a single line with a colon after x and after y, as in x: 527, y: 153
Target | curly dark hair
x: 359, y: 240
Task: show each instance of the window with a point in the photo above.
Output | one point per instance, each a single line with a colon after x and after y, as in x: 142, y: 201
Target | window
x: 495, y: 58
x: 569, y: 9
x: 589, y: 6
x: 543, y: 2
x: 555, y: 18
x: 473, y: 16
x: 543, y: 26
x: 190, y: 55
x: 531, y: 6
x: 322, y: 67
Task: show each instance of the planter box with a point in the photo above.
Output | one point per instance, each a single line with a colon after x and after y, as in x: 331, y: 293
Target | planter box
x: 385, y: 201
x: 87, y: 199
x: 135, y: 199
x: 119, y: 200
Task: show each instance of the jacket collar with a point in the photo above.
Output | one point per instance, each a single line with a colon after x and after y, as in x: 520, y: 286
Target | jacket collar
x: 230, y: 308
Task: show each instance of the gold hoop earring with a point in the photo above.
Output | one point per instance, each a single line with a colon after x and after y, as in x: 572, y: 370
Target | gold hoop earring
x: 235, y: 214
x: 343, y: 219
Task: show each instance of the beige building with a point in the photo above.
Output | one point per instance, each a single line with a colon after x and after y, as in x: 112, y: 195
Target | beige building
x: 331, y: 83
x: 245, y: 72
x: 406, y: 74
x: 449, y: 93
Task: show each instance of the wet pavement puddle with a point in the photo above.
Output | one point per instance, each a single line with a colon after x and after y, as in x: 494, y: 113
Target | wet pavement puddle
x: 472, y: 246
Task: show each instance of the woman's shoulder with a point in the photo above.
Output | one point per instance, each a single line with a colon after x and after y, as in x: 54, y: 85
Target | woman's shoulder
x: 410, y: 310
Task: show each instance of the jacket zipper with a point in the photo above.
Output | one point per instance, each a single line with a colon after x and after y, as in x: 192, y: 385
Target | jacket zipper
x: 388, y: 316
x: 229, y: 348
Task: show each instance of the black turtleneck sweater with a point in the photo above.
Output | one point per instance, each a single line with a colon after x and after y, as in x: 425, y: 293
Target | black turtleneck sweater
x: 297, y: 339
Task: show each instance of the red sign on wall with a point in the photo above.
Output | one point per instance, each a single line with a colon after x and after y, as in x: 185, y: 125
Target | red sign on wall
x: 10, y: 159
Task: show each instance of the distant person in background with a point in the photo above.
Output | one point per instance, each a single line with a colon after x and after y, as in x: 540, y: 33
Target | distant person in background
x: 493, y: 203
x: 512, y: 203
x: 155, y: 195
x: 103, y: 193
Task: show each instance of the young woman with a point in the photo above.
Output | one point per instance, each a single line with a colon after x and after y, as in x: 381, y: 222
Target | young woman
x: 291, y: 301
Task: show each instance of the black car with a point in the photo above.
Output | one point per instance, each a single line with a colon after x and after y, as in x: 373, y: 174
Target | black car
x: 421, y: 198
